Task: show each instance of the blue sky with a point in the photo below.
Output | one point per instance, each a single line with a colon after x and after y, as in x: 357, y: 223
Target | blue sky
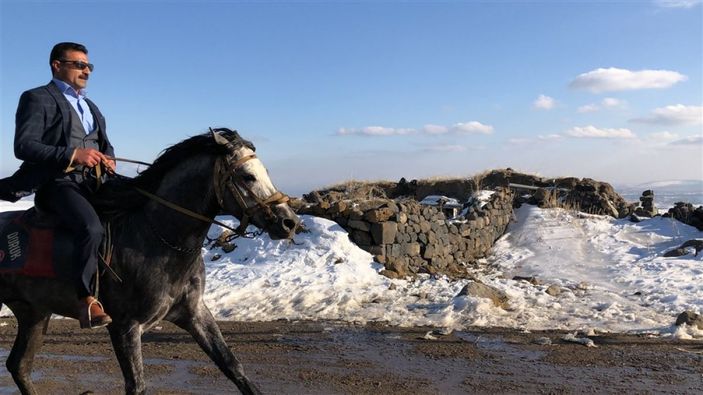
x: 330, y: 91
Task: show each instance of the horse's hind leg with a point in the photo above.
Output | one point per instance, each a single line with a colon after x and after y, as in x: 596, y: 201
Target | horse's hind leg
x: 202, y: 326
x: 30, y: 334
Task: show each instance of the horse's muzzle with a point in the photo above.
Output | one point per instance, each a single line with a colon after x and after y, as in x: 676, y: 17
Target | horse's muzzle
x: 285, y: 224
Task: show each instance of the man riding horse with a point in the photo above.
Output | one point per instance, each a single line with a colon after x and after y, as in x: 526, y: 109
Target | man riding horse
x: 60, y: 136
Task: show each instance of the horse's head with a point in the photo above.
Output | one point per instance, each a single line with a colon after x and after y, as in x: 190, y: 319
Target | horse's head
x: 243, y: 188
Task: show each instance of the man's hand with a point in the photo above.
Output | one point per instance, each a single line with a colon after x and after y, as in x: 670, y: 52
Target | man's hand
x: 109, y: 166
x: 90, y: 157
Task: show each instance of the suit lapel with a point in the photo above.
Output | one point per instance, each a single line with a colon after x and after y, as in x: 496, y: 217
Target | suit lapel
x: 97, y: 116
x: 65, y: 108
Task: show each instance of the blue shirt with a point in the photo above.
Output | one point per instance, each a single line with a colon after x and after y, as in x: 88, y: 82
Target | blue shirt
x: 77, y: 100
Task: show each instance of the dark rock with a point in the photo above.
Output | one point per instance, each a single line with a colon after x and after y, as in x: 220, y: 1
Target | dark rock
x: 480, y: 290
x: 553, y: 290
x: 690, y: 318
x: 390, y: 274
x: 397, y: 265
x: 379, y: 215
x: 361, y: 237
x: 384, y: 232
x: 411, y: 249
x: 532, y: 279
x: 358, y: 224
x: 681, y: 250
x: 676, y: 252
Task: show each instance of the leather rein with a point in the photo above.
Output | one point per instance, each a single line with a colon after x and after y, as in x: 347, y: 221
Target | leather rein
x: 226, y: 176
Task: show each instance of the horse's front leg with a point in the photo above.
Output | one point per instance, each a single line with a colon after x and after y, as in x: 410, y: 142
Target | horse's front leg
x: 30, y: 335
x: 202, y: 326
x: 127, y: 342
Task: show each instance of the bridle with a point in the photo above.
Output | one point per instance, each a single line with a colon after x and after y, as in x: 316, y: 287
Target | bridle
x: 226, y: 175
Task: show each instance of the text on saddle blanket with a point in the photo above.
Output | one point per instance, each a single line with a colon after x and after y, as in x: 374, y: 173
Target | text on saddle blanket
x: 34, y: 251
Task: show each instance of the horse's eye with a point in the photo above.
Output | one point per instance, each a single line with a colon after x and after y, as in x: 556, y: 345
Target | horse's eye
x: 248, y: 177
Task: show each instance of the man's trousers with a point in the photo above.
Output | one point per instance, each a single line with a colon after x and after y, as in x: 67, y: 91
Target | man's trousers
x: 68, y: 200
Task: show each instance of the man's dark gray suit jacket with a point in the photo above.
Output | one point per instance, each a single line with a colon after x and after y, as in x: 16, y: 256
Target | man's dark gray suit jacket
x: 42, y: 140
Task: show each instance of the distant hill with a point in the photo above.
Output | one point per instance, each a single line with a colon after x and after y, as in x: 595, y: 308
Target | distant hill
x: 666, y: 192
x: 674, y: 185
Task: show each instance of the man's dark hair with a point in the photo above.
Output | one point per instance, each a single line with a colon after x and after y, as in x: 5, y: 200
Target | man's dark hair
x: 59, y: 50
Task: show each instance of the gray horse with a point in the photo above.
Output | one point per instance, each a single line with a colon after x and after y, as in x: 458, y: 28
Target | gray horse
x: 157, y: 255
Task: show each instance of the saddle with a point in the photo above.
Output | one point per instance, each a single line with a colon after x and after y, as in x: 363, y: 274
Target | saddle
x: 34, y: 244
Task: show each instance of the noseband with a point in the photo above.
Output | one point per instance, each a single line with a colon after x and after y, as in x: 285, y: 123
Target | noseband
x: 227, y: 175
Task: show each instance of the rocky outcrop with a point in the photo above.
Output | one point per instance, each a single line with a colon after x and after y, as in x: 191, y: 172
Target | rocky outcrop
x: 594, y: 197
x: 584, y: 194
x: 686, y: 213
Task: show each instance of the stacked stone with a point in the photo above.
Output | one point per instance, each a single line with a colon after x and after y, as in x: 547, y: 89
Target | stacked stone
x: 647, y: 208
x: 409, y: 238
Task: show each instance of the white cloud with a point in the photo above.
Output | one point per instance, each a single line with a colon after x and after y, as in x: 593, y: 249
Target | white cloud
x: 614, y: 79
x: 472, y: 127
x: 597, y: 133
x: 677, y: 114
x: 589, y: 108
x: 549, y: 137
x: 446, y: 148
x: 519, y: 141
x: 435, y: 129
x: 689, y: 141
x: 611, y: 102
x: 374, y: 131
x: 677, y: 3
x: 663, y: 136
x: 544, y: 103
x: 606, y: 103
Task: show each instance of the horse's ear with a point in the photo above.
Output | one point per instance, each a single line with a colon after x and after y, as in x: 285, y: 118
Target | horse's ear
x: 219, y: 139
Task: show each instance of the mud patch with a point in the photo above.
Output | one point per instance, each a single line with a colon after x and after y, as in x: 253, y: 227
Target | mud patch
x: 339, y: 358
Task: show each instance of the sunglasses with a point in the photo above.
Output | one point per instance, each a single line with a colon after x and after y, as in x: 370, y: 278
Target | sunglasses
x: 77, y: 64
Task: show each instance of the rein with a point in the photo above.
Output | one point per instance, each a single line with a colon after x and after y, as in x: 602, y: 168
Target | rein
x: 234, y: 183
x: 184, y: 210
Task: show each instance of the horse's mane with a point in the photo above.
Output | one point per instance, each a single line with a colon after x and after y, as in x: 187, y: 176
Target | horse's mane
x: 119, y: 196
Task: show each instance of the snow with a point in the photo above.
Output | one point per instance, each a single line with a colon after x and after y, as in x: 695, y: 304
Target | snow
x: 435, y: 200
x: 612, y: 275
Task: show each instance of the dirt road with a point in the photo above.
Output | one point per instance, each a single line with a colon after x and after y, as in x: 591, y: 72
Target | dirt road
x: 330, y: 358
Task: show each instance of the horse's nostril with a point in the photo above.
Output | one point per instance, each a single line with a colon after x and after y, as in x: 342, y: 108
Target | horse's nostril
x: 289, y: 224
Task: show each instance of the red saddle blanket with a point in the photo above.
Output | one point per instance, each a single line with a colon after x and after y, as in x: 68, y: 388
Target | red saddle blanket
x: 32, y: 249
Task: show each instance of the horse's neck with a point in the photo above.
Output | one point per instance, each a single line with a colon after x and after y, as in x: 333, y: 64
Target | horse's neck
x: 189, y: 185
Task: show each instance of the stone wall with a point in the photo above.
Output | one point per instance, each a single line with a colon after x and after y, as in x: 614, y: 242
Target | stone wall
x: 410, y: 238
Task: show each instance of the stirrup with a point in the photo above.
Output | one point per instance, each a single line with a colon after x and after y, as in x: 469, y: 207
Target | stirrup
x: 98, y: 322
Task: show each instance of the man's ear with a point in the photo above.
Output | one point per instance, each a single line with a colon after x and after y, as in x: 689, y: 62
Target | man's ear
x: 55, y: 66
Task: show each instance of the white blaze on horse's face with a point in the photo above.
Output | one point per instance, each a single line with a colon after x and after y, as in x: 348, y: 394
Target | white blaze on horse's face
x: 255, y: 175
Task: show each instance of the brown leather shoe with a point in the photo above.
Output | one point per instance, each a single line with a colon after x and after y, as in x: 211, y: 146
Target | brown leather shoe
x: 92, y: 314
